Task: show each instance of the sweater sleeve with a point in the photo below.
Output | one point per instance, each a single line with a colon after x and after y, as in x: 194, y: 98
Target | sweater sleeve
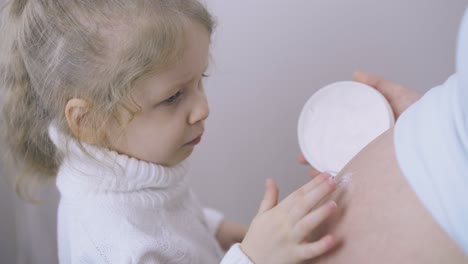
x: 235, y: 255
x: 431, y: 145
x: 213, y: 219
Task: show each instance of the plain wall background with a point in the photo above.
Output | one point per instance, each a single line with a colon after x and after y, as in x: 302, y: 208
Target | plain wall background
x: 269, y: 57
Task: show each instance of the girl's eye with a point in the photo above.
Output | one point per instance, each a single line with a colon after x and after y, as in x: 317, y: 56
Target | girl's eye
x: 173, y: 98
x: 204, y: 75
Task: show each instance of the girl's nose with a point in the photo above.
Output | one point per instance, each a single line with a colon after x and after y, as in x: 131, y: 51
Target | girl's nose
x: 200, y: 111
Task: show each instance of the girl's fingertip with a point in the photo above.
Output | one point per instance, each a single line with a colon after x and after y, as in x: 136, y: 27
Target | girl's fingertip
x: 270, y: 183
x: 329, y: 241
x: 332, y: 205
x: 324, y: 175
x: 331, y: 181
x: 314, y: 173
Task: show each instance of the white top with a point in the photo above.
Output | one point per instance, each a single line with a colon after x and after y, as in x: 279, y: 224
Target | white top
x: 117, y: 209
x: 338, y: 121
x: 431, y: 143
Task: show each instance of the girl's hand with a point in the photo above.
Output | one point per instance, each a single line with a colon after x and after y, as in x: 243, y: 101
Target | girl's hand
x: 279, y: 232
x: 230, y: 233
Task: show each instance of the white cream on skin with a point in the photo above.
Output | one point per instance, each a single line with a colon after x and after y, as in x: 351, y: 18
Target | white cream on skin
x: 345, y: 182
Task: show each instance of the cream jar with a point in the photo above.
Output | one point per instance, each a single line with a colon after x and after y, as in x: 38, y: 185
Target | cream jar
x: 338, y: 121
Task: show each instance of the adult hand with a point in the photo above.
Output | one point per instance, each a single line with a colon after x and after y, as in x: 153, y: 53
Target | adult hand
x: 399, y: 97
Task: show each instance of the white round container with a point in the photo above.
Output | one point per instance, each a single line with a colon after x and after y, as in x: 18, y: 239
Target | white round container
x: 338, y: 121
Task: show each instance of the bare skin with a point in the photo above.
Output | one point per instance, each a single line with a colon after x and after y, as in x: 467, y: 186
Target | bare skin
x: 380, y: 218
x: 230, y: 233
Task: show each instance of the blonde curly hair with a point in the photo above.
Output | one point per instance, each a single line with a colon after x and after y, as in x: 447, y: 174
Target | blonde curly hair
x: 54, y: 50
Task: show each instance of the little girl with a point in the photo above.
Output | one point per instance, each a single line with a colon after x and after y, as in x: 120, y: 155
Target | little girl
x: 107, y: 97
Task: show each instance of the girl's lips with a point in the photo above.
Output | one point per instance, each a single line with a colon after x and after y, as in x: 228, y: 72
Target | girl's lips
x: 195, y: 141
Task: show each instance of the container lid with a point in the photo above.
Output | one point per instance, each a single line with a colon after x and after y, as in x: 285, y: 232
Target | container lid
x: 338, y: 121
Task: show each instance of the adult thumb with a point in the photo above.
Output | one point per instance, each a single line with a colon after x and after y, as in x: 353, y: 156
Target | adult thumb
x: 270, y: 198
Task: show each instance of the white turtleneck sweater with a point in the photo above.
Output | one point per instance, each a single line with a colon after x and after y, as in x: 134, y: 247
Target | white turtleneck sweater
x: 117, y: 209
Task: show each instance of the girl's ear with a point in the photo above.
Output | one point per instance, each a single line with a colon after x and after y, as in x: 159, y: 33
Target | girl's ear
x: 76, y: 112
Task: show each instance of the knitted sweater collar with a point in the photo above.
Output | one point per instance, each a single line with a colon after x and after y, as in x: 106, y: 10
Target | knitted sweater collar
x: 96, y: 170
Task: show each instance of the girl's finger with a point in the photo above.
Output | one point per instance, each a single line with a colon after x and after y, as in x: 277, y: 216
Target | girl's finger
x: 313, y: 172
x: 316, y: 182
x: 302, y: 207
x: 311, y: 221
x: 293, y: 198
x: 315, y: 249
x: 270, y: 198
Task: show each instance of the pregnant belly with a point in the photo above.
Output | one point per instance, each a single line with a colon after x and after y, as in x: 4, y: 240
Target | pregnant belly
x: 381, y: 220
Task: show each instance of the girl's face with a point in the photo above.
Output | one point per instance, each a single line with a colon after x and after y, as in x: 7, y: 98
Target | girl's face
x: 173, y: 107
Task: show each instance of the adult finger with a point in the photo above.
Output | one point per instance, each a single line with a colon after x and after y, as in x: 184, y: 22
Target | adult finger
x: 389, y: 89
x: 313, y: 172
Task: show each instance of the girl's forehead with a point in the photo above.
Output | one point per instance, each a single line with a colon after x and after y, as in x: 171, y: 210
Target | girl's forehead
x: 192, y: 63
x: 195, y: 57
